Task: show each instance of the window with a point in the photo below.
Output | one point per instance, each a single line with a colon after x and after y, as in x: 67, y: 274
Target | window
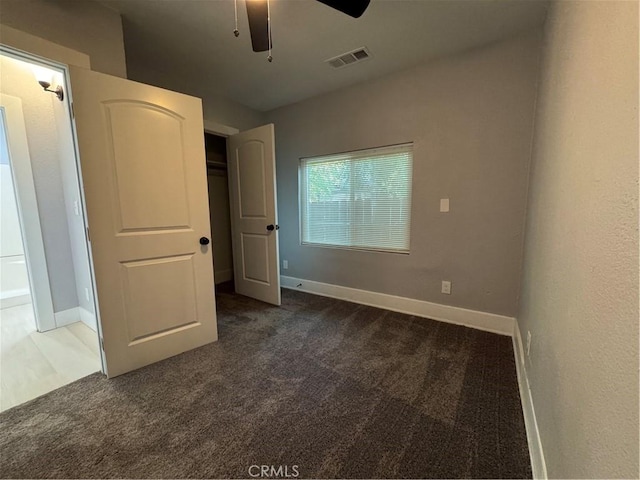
x: 358, y: 200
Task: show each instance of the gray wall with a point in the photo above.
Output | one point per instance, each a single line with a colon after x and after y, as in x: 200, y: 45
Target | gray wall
x: 470, y: 117
x: 580, y: 287
x: 73, y: 206
x: 220, y: 225
x: 84, y: 26
x: 40, y: 124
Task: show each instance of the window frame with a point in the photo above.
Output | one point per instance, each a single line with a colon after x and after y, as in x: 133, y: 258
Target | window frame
x: 302, y: 201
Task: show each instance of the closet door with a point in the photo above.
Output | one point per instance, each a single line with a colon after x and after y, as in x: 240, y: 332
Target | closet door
x: 254, y: 213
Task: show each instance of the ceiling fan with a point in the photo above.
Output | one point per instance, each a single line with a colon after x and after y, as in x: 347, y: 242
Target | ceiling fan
x: 260, y: 22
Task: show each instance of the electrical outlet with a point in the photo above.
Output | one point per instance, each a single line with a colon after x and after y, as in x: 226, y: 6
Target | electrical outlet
x: 446, y: 287
x: 86, y: 294
x: 285, y: 264
x: 528, y: 342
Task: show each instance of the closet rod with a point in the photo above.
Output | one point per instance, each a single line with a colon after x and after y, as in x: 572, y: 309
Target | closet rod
x: 217, y: 165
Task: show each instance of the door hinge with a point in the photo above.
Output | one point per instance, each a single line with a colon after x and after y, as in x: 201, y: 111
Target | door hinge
x: 73, y: 111
x: 88, y: 236
x: 102, y: 344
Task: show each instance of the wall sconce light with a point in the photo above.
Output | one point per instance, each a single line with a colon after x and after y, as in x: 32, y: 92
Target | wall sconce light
x: 44, y: 76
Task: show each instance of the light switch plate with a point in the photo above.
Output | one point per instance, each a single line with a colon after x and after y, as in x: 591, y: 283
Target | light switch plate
x: 444, y: 205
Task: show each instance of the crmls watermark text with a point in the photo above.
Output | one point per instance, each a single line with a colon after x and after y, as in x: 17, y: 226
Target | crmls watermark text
x: 274, y: 471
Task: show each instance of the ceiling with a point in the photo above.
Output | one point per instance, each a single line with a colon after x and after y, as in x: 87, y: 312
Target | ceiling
x: 195, y: 38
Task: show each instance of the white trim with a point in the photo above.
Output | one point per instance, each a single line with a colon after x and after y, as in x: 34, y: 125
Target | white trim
x: 88, y: 318
x: 222, y: 276
x: 25, y: 191
x: 14, y: 300
x: 489, y: 322
x: 67, y: 317
x: 219, y: 129
x: 538, y: 465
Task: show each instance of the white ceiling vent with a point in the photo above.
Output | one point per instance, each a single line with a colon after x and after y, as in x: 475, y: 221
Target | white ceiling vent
x: 349, y: 58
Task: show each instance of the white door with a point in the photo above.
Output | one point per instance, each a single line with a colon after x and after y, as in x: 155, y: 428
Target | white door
x: 145, y: 184
x: 254, y: 216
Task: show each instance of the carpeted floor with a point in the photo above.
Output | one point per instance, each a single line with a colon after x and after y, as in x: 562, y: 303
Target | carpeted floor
x: 337, y: 389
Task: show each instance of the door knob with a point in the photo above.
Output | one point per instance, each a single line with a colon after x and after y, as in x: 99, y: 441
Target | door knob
x: 273, y: 227
x: 204, y: 241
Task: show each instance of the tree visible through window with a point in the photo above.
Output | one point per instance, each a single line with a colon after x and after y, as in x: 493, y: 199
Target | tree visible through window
x: 358, y: 199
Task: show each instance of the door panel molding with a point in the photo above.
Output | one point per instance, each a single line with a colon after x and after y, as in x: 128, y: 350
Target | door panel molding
x: 251, y: 178
x: 255, y: 247
x: 160, y: 208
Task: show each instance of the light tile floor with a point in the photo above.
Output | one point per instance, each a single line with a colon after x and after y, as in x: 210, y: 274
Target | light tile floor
x: 34, y: 363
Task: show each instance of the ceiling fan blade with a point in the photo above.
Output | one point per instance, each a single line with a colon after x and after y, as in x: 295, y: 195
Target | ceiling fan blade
x: 257, y: 13
x: 353, y: 8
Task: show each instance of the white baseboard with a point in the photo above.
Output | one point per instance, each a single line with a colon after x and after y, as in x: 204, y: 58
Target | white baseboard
x: 222, y: 276
x: 67, y: 317
x: 461, y: 316
x: 88, y: 319
x: 538, y: 465
x: 15, y: 300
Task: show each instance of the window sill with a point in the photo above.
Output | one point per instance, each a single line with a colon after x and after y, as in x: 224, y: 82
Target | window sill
x: 360, y: 249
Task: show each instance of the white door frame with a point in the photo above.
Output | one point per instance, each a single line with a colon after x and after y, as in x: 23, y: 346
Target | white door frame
x: 28, y: 214
x: 219, y: 129
x: 13, y: 52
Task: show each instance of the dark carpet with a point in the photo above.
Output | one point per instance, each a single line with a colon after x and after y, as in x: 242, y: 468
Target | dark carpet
x: 336, y: 389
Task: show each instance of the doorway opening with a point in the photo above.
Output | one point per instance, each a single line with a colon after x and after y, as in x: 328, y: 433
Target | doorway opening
x: 48, y: 314
x: 219, y: 210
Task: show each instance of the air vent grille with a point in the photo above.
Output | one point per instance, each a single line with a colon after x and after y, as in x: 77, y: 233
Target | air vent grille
x: 360, y: 54
x: 349, y: 58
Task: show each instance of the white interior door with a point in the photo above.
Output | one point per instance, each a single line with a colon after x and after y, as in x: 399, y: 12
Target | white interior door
x: 145, y: 183
x: 254, y: 216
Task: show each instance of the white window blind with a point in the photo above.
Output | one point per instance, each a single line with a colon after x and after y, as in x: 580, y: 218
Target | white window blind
x: 358, y: 199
